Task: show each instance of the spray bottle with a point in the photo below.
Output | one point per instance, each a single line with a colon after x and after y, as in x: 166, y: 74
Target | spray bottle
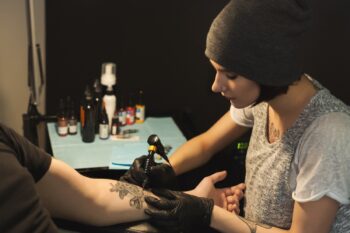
x: 108, y: 78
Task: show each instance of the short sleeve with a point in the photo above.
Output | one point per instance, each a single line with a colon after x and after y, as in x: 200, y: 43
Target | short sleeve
x: 242, y: 116
x: 323, y: 160
x: 21, y: 209
x: 35, y: 160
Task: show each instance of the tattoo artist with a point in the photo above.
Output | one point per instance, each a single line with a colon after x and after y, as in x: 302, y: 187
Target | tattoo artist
x: 298, y: 162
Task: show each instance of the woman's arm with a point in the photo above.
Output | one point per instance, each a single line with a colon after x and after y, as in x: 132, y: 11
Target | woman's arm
x: 200, y: 149
x: 69, y: 195
x: 186, y: 213
x: 309, y: 217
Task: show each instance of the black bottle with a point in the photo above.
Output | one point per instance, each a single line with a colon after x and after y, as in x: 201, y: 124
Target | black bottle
x: 115, y: 130
x: 97, y: 103
x: 103, y: 124
x: 88, y: 124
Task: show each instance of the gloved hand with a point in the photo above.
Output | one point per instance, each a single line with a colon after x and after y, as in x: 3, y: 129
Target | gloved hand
x: 178, y: 212
x: 161, y: 175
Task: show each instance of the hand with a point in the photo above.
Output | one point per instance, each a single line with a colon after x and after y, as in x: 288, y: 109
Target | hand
x: 227, y: 198
x: 178, y: 212
x: 233, y: 196
x: 161, y: 175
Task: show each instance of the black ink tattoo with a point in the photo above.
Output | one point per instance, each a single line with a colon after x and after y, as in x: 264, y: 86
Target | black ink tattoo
x: 274, y: 133
x: 125, y: 189
x: 252, y: 225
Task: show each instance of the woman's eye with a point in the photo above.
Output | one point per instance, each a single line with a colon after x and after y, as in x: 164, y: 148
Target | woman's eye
x: 232, y: 76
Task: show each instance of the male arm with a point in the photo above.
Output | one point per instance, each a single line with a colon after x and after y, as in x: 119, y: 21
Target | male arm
x: 69, y: 195
x: 200, y: 149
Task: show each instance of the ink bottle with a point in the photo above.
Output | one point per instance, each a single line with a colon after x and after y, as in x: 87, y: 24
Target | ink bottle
x: 103, y: 124
x: 62, y: 122
x: 140, y: 109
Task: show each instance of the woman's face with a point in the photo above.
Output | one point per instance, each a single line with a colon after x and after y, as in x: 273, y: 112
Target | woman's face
x: 240, y: 91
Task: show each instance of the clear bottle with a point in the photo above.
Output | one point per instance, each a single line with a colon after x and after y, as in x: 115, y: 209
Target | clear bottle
x: 103, y: 124
x: 88, y: 124
x: 140, y: 109
x: 62, y: 122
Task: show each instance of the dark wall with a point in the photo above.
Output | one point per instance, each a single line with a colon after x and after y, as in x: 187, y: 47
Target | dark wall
x: 158, y: 46
x: 327, y: 46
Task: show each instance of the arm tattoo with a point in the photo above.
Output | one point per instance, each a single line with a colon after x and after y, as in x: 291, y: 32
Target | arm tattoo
x: 252, y: 225
x: 125, y: 189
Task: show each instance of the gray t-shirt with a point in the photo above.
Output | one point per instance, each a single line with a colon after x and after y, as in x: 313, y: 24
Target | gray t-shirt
x: 311, y: 160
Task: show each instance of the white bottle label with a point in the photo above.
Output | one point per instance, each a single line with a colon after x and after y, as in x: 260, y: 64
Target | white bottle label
x: 72, y: 128
x: 62, y: 130
x: 103, y: 131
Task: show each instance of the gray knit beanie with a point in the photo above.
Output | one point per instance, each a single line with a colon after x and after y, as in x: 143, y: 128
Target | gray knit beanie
x: 260, y: 39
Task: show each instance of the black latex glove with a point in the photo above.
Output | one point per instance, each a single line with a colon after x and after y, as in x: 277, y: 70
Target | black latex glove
x: 178, y: 212
x: 161, y: 175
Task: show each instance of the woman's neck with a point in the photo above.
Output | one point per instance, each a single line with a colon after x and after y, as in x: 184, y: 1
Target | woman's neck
x: 299, y: 94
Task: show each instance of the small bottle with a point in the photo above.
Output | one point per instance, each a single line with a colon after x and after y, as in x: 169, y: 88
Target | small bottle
x: 97, y: 103
x: 115, y: 124
x: 130, y: 111
x: 140, y: 109
x: 88, y: 124
x: 103, y: 124
x: 122, y: 113
x: 72, y: 120
x: 62, y: 122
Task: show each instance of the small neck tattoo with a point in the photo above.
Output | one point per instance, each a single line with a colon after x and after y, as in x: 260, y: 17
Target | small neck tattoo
x: 274, y: 133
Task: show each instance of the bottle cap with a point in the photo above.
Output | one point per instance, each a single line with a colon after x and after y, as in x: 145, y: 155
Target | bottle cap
x: 108, y: 76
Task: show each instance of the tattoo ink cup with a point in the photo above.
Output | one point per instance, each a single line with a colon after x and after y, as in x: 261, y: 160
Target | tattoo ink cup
x: 62, y: 122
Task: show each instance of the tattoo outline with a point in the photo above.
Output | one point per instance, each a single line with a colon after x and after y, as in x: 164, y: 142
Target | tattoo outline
x: 124, y: 189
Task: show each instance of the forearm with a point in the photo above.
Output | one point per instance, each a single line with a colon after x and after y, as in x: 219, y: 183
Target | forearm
x: 200, y: 149
x: 189, y: 156
x: 69, y: 195
x: 225, y: 221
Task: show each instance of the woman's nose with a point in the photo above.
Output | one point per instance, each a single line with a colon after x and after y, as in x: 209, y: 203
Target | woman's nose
x: 218, y: 84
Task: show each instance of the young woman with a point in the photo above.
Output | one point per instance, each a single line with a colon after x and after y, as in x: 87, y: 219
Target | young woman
x: 298, y: 161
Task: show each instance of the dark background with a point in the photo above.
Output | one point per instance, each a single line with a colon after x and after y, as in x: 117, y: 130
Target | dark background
x: 158, y: 47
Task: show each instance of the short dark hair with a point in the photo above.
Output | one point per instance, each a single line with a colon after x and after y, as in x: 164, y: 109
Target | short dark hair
x: 269, y: 92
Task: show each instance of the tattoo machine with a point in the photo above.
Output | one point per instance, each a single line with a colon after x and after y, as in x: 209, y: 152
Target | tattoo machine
x: 155, y: 146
